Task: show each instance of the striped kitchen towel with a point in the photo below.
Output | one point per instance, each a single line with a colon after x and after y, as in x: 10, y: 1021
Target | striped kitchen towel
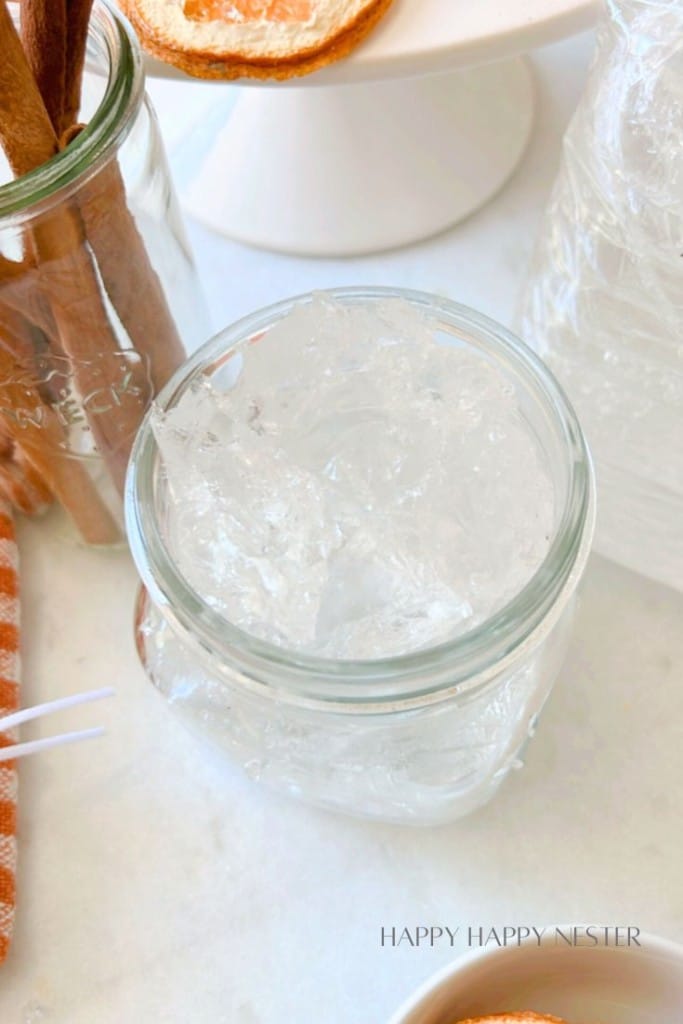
x: 9, y: 701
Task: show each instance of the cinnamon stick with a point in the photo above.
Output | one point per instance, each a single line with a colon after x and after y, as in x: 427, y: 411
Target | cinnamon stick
x: 67, y: 275
x: 44, y: 37
x: 15, y: 489
x: 27, y: 326
x: 10, y: 270
x: 15, y: 329
x: 39, y: 438
x: 32, y: 438
x: 20, y: 484
x: 38, y: 490
x: 20, y: 292
x: 78, y: 19
x: 25, y: 128
x: 129, y: 279
x: 127, y: 273
x: 114, y: 387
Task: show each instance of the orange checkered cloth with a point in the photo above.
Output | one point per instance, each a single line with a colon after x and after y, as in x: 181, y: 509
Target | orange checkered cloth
x: 9, y: 701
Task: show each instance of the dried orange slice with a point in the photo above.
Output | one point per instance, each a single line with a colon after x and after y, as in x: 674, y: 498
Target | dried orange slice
x: 252, y: 38
x: 249, y: 10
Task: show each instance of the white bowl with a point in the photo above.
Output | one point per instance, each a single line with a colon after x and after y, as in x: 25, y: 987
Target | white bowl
x: 581, y: 984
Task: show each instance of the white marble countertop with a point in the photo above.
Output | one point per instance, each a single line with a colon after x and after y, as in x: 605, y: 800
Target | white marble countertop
x: 158, y: 885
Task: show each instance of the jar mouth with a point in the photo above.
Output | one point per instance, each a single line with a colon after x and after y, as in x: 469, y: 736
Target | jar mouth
x: 457, y: 665
x: 113, y: 36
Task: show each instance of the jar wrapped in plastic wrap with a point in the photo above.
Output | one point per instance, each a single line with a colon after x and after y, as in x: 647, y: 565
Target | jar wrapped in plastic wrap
x: 604, y: 305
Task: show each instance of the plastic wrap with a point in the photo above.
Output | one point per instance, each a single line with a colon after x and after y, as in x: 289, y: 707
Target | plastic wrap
x: 604, y: 304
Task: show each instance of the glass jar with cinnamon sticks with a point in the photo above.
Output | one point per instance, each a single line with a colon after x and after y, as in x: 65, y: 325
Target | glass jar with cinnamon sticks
x: 98, y: 295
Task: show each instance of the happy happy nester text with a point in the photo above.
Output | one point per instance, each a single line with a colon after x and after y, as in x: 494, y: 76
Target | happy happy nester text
x: 508, y: 935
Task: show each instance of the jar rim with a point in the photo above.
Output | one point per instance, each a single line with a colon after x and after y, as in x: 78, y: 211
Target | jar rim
x: 454, y: 666
x: 104, y: 133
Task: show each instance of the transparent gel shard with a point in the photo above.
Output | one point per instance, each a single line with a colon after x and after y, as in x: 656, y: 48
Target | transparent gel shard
x: 359, y: 489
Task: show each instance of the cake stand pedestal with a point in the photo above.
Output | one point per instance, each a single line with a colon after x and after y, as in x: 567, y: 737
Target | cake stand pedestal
x: 417, y: 129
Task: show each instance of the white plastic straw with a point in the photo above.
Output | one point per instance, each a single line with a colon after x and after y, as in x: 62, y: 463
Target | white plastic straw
x: 13, y: 750
x: 50, y: 707
x: 34, y: 746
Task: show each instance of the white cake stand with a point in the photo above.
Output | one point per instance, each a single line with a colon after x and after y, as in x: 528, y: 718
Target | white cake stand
x: 409, y: 135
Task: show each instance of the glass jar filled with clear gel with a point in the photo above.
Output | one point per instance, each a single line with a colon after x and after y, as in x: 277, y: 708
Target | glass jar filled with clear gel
x: 360, y: 519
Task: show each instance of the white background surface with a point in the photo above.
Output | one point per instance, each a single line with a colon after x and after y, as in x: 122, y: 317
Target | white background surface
x: 157, y: 885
